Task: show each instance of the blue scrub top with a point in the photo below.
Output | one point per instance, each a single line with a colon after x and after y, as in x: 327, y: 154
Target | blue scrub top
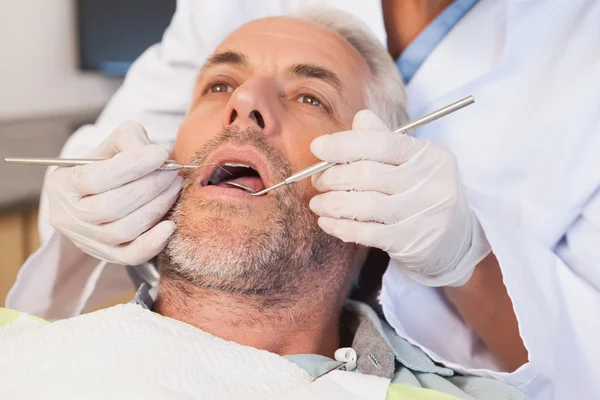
x: 423, y: 45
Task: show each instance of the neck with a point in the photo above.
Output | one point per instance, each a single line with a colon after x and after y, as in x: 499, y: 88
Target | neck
x: 302, y: 325
x: 405, y: 19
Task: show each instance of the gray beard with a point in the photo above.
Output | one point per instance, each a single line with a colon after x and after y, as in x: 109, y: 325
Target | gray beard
x: 235, y: 250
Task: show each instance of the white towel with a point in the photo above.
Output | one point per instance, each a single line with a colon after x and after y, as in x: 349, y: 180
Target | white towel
x: 127, y: 352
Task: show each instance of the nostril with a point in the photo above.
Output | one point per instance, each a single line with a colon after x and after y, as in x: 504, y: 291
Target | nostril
x: 259, y: 119
x: 234, y: 115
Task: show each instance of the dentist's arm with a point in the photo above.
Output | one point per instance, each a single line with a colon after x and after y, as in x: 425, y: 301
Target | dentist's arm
x: 484, y: 304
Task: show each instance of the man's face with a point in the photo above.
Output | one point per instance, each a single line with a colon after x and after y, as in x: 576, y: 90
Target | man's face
x: 268, y: 90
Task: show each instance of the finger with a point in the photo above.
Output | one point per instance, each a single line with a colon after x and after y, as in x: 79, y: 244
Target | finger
x: 359, y: 206
x: 368, y: 176
x: 315, y: 178
x: 422, y: 202
x: 128, y: 228
x: 147, y: 245
x: 363, y: 233
x: 118, y: 202
x: 109, y: 174
x: 384, y: 237
x: 367, y: 120
x: 140, y: 250
x: 127, y: 136
x: 381, y: 146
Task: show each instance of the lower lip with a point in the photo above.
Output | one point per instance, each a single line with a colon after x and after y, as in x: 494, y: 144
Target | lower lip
x: 223, y: 190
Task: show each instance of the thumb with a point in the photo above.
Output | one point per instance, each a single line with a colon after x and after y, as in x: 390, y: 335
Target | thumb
x: 366, y: 120
x: 127, y: 136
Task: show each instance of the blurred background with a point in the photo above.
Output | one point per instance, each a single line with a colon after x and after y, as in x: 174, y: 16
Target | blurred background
x: 61, y: 62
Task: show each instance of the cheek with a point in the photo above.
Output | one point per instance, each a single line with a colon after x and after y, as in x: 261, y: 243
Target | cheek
x: 309, y: 190
x: 194, y: 133
x: 299, y: 154
x: 298, y: 137
x: 179, y: 152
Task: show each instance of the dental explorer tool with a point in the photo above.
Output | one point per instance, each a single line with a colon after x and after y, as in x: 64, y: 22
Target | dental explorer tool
x: 169, y: 165
x: 323, y: 165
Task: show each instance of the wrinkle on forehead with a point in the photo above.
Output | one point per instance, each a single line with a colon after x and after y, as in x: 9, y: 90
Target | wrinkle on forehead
x: 269, y: 40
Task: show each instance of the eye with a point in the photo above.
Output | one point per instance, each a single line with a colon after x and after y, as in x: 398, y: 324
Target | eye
x: 309, y: 99
x: 220, y: 88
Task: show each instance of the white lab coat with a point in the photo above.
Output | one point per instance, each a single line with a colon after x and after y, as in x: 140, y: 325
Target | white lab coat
x: 528, y: 151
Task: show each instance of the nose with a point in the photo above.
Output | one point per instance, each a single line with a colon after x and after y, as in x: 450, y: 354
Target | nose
x: 254, y: 115
x: 254, y: 104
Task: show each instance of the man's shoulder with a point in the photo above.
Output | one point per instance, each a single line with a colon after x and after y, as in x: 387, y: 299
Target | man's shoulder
x: 375, y: 341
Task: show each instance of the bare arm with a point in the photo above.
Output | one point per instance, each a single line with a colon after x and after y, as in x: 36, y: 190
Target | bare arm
x: 484, y: 304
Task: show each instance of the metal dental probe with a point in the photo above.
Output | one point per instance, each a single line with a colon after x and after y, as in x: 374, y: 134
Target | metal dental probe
x: 323, y: 165
x: 168, y: 165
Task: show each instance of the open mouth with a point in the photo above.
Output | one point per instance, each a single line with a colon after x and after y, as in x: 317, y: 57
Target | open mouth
x: 239, y: 173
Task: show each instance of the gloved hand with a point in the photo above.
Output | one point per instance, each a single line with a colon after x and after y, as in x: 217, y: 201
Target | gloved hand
x: 399, y: 194
x: 112, y: 209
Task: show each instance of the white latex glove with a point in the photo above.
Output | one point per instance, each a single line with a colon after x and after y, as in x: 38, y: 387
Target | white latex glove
x: 112, y: 209
x: 399, y: 194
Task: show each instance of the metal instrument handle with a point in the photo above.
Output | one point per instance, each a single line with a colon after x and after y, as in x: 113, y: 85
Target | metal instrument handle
x: 59, y: 162
x: 168, y: 165
x: 323, y: 165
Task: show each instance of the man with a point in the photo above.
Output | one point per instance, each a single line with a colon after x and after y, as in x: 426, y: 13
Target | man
x: 248, y: 280
x: 528, y: 171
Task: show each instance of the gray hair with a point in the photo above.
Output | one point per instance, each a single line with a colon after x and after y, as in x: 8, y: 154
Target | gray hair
x: 386, y: 94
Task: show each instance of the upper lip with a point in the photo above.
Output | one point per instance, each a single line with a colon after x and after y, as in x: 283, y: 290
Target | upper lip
x: 244, y: 154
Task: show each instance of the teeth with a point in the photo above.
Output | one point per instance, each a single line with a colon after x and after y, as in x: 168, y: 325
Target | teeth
x: 228, y: 164
x: 220, y: 174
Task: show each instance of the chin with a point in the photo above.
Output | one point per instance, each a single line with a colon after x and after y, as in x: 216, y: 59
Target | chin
x: 209, y: 230
x: 229, y: 254
x: 245, y: 246
x: 225, y: 221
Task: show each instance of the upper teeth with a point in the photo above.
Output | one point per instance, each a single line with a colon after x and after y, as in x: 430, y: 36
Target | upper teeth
x: 220, y: 175
x: 228, y: 164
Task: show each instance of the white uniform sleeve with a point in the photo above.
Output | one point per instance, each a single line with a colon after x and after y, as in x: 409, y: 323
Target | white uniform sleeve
x: 580, y: 248
x: 58, y: 279
x: 556, y: 300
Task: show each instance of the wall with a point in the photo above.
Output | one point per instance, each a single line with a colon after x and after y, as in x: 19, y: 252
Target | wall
x: 39, y: 77
x: 18, y: 239
x: 39, y: 68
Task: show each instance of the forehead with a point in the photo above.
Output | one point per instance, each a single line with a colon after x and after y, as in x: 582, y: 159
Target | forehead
x: 277, y: 42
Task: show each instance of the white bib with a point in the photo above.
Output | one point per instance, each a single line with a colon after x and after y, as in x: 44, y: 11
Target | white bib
x: 129, y: 352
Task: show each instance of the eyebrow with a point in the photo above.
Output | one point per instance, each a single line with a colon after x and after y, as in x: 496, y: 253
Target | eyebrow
x: 312, y: 71
x: 316, y: 72
x: 226, y: 58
